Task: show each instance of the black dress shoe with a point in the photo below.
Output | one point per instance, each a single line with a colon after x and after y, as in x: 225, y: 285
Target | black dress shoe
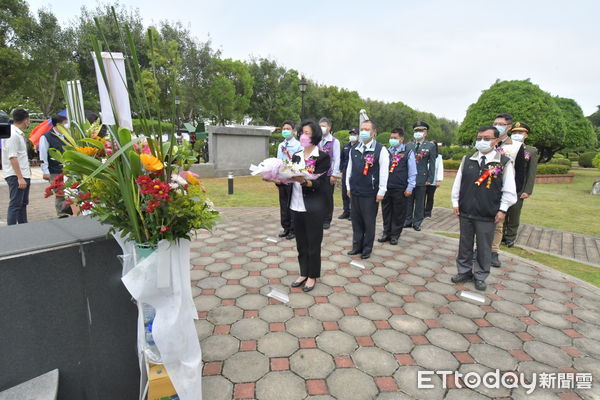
x: 354, y: 252
x: 291, y: 236
x: 496, y: 260
x: 383, y: 239
x: 284, y: 233
x: 309, y: 288
x: 365, y: 256
x: 510, y: 243
x: 480, y: 285
x: 298, y: 284
x: 394, y: 241
x: 417, y: 227
x: 344, y: 216
x: 326, y: 226
x: 459, y: 278
x: 408, y: 225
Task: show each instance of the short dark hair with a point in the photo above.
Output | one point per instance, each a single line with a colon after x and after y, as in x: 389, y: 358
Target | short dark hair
x: 399, y: 131
x: 317, y: 134
x: 290, y: 123
x: 91, y: 116
x: 508, y: 117
x: 373, y: 124
x: 326, y: 120
x: 488, y: 128
x: 58, y: 119
x: 421, y: 123
x: 20, y: 115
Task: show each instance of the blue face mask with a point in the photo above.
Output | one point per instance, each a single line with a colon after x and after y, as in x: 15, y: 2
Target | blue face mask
x: 394, y: 142
x: 517, y: 136
x: 286, y: 134
x: 483, y: 146
x: 364, y: 135
x: 501, y: 129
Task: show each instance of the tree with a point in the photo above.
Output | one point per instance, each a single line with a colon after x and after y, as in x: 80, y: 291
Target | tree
x: 595, y: 120
x: 229, y: 92
x: 527, y: 103
x: 579, y: 132
x: 341, y: 106
x: 275, y: 95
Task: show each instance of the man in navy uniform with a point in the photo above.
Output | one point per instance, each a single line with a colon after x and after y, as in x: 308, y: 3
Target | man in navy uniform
x: 483, y: 191
x: 401, y: 182
x: 353, y: 139
x: 367, y: 175
x: 425, y: 155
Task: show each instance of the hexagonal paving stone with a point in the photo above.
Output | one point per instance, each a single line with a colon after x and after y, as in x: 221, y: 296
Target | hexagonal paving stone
x: 373, y: 280
x: 481, y: 370
x: 278, y: 344
x: 344, y: 300
x: 246, y: 366
x: 350, y: 383
x: 237, y: 273
x: 500, y: 338
x: 407, y: 378
x: 441, y: 288
x: 334, y: 280
x: 466, y: 309
x: 230, y: 291
x: 280, y: 385
x: 312, y: 364
x: 198, y: 274
x: 203, y: 328
x: 388, y: 299
x: 223, y: 315
x: 528, y: 368
x: 249, y: 328
x: 357, y: 326
x: 434, y: 358
x: 408, y: 324
x: 254, y: 281
x: 273, y: 273
x: 336, y: 343
x: 588, y: 316
x: 251, y: 301
x: 385, y: 272
x: 218, y: 267
x: 349, y: 272
x: 359, y: 289
x: 400, y: 289
x: 373, y: 311
x: 276, y: 313
x: 553, y: 295
x: 325, y: 312
x: 447, y: 339
x: 393, y: 341
x: 254, y: 266
x: 431, y: 298
x: 493, y: 357
x: 588, y: 346
x: 219, y: 347
x: 588, y: 330
x: 514, y: 296
x: 510, y: 308
x: 216, y: 388
x: 374, y: 361
x: 304, y: 327
x: 551, y: 320
x: 420, y: 310
x: 549, y: 335
x: 507, y: 322
x: 206, y: 302
x: 301, y: 300
x: 214, y: 282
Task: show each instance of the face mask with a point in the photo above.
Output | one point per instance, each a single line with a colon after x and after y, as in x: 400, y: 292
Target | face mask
x: 286, y: 134
x: 353, y: 138
x: 501, y: 129
x: 517, y: 136
x: 483, y: 146
x: 365, y: 135
x: 394, y: 142
x: 418, y: 135
x: 305, y: 140
x: 67, y: 125
x: 324, y: 130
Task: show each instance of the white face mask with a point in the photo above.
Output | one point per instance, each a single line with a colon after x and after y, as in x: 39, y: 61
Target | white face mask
x: 519, y: 137
x: 67, y: 125
x: 324, y: 130
x: 483, y: 146
x: 418, y: 135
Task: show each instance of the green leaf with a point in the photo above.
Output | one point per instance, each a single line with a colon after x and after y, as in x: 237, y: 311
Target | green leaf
x: 135, y: 164
x: 109, y: 161
x: 56, y: 155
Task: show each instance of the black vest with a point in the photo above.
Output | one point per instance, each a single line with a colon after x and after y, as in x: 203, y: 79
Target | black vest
x: 365, y: 185
x: 479, y: 201
x: 54, y: 142
x: 398, y: 179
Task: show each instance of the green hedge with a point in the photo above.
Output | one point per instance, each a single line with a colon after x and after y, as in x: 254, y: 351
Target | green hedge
x: 455, y: 152
x: 552, y: 169
x: 452, y: 164
x: 596, y: 161
x: 585, y: 160
x: 560, y: 161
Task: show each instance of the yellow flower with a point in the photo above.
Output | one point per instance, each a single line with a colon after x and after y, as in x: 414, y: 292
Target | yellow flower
x: 151, y: 163
x: 87, y: 150
x: 191, y: 179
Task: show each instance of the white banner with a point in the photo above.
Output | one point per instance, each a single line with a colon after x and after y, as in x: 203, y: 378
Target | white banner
x: 114, y: 65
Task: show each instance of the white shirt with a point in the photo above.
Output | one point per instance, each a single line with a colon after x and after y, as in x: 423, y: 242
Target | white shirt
x: 509, y: 189
x: 43, y: 150
x: 335, y: 157
x: 297, y: 203
x: 439, y: 169
x: 15, y: 147
x: 384, y: 166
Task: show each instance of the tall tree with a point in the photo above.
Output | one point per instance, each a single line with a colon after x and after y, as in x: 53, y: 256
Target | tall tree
x: 341, y: 106
x: 579, y: 131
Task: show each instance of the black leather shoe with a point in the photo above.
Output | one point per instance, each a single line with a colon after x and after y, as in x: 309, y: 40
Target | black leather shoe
x: 344, y: 216
x: 480, y: 285
x: 284, y: 233
x: 309, y: 288
x: 408, y: 225
x: 365, y: 256
x: 417, y: 227
x: 298, y: 284
x: 354, y: 252
x: 326, y: 226
x: 383, y: 239
x: 291, y: 236
x: 496, y: 260
x: 393, y: 241
x: 510, y: 243
x: 459, y: 278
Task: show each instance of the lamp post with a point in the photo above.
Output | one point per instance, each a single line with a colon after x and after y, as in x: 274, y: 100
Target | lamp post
x: 177, y: 102
x: 302, y: 85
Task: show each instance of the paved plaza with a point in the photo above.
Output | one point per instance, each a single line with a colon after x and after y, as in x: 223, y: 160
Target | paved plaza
x: 364, y: 333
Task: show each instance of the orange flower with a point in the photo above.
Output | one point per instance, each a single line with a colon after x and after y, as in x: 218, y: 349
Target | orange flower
x: 151, y: 163
x: 190, y: 178
x: 87, y: 150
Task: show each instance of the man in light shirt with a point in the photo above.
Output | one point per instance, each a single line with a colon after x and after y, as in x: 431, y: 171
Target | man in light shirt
x: 366, y: 179
x: 15, y: 166
x: 51, y: 168
x: 483, y: 191
x: 330, y: 145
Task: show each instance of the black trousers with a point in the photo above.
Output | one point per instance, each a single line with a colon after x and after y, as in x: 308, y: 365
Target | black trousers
x: 482, y: 232
x: 416, y: 207
x: 429, y: 195
x: 309, y: 236
x: 393, y: 209
x: 328, y: 188
x: 345, y: 198
x: 287, y: 221
x: 18, y: 201
x: 364, y: 214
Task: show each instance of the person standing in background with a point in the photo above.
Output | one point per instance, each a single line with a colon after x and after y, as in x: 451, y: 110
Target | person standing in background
x: 353, y: 139
x: 285, y: 152
x: 430, y: 190
x: 331, y: 146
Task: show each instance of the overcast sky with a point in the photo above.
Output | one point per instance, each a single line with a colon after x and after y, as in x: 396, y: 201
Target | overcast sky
x: 433, y: 55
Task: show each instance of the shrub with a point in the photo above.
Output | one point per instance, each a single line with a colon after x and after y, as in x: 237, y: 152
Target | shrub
x: 166, y: 127
x: 452, y: 164
x: 384, y: 138
x: 342, y: 136
x: 560, y: 161
x: 574, y: 158
x: 585, y: 160
x: 455, y: 152
x: 596, y: 161
x: 552, y: 169
x: 558, y: 156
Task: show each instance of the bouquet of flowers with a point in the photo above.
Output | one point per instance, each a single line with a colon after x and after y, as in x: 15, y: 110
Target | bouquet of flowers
x: 282, y: 171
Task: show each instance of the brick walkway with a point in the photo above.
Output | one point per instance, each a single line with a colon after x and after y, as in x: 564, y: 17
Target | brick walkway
x: 364, y: 333
x: 574, y: 246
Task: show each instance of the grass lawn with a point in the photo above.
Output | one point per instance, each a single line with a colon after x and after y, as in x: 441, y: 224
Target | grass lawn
x: 584, y: 272
x: 567, y: 207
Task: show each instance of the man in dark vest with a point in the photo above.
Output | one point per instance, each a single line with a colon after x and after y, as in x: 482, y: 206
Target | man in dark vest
x: 366, y: 178
x: 51, y: 168
x: 483, y: 191
x: 519, y: 133
x: 425, y: 155
x: 345, y: 155
x: 401, y: 182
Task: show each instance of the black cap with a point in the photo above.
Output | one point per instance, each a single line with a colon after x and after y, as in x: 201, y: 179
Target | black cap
x: 421, y: 124
x: 355, y: 130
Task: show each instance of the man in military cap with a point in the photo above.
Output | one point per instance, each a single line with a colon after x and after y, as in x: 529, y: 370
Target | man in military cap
x: 425, y: 154
x: 353, y: 139
x: 519, y: 133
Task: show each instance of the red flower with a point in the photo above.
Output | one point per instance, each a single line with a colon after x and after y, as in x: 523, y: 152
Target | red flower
x: 143, y: 180
x: 163, y: 229
x: 74, y: 185
x: 86, y: 206
x: 85, y: 196
x: 152, y: 205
